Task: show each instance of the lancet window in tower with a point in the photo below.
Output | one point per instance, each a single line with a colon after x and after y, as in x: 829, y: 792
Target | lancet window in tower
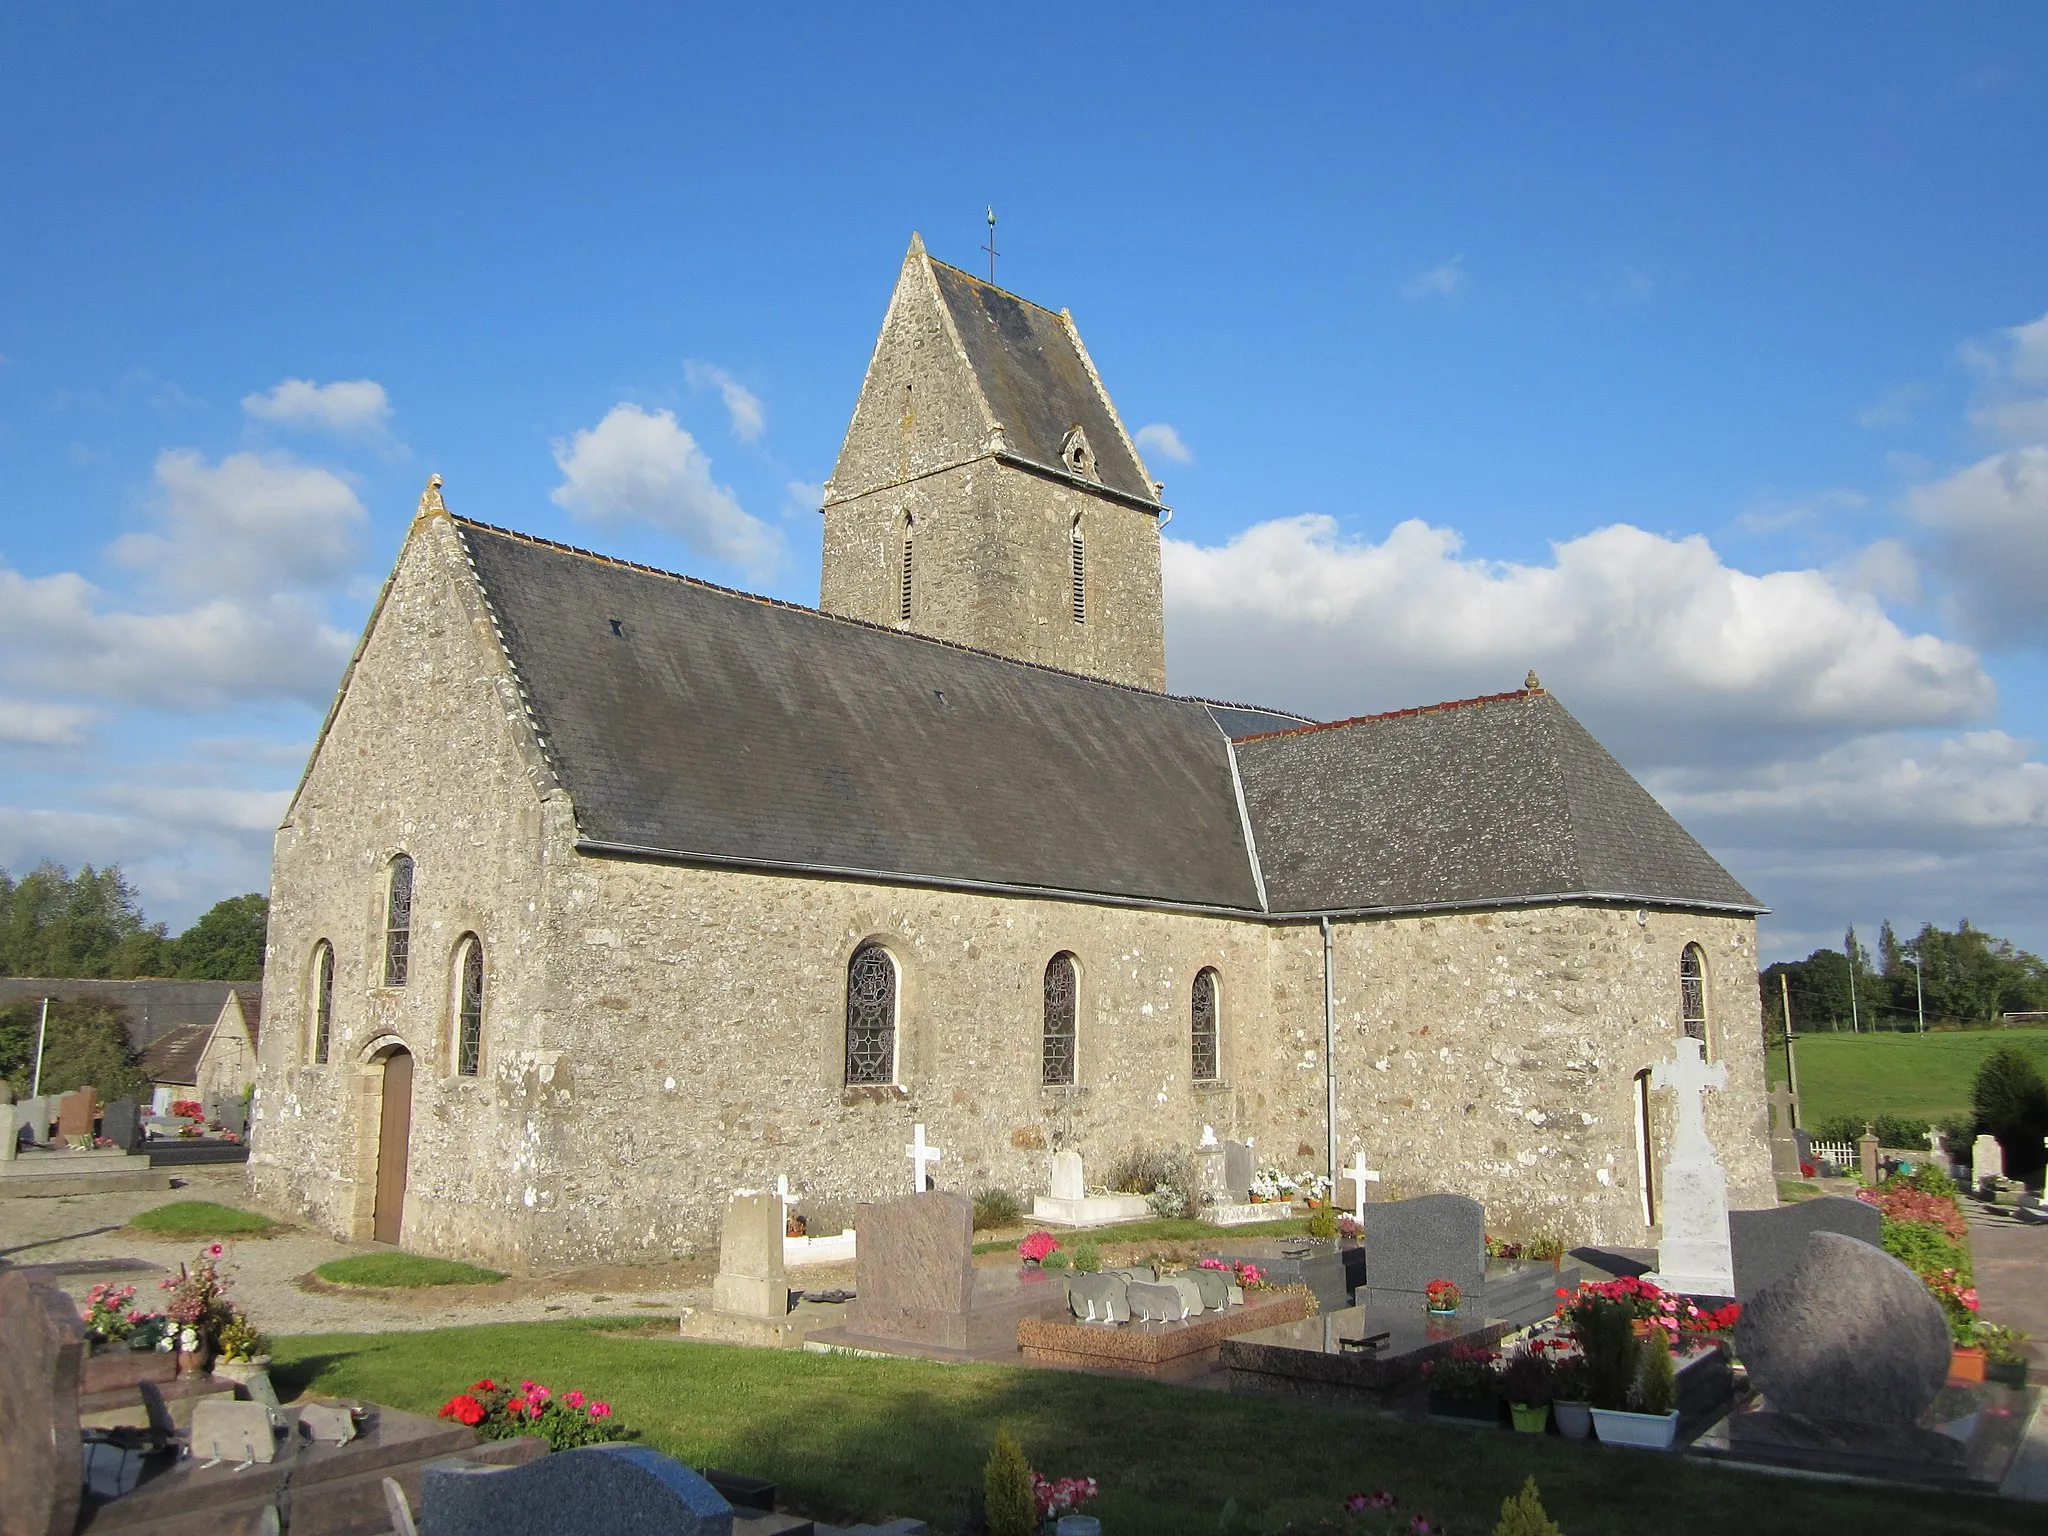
x: 398, y: 923
x: 906, y: 570
x: 871, y: 1016
x: 469, y: 1008
x: 1692, y: 993
x: 1078, y: 558
x: 1207, y: 1062
x: 323, y: 1000
x: 1062, y: 988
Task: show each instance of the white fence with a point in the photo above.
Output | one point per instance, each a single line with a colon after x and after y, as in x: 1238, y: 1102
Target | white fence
x: 1841, y: 1153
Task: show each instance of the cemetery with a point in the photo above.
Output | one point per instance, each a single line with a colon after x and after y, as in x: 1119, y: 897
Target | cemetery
x: 73, y: 1143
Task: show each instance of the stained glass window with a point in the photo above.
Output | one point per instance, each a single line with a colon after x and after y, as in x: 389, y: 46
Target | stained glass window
x: 871, y: 1016
x: 1692, y: 993
x: 1207, y: 1068
x: 398, y: 923
x: 323, y: 999
x: 469, y: 1011
x: 1061, y: 987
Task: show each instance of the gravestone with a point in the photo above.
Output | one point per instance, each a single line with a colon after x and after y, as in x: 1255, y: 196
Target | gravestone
x: 1409, y: 1243
x: 42, y: 1354
x: 1987, y: 1161
x: 923, y: 1158
x: 1068, y: 1181
x: 121, y: 1123
x: 917, y: 1291
x: 1693, y: 1254
x: 229, y: 1429
x: 598, y: 1490
x: 751, y: 1280
x: 1848, y: 1350
x: 1350, y: 1191
x: 32, y: 1117
x: 76, y: 1112
x: 1100, y: 1298
x: 1866, y: 1155
x: 1214, y: 1285
x: 233, y: 1115
x: 1804, y: 1142
x: 160, y: 1101
x: 1237, y: 1171
x: 1190, y: 1292
x: 1768, y: 1243
x: 10, y: 1142
x: 1784, y: 1148
x: 1212, y: 1185
x: 1154, y: 1303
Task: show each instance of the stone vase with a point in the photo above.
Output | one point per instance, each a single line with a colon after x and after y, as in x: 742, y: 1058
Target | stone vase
x: 1574, y: 1420
x: 252, y: 1376
x: 194, y: 1362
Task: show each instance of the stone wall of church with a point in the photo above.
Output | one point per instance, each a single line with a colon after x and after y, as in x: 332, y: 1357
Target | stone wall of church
x: 992, y: 568
x: 424, y: 757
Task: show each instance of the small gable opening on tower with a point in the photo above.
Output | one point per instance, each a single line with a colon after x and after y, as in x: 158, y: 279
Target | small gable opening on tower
x: 1077, y: 455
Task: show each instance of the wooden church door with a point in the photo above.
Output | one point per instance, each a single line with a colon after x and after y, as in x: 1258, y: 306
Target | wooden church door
x: 394, y: 1140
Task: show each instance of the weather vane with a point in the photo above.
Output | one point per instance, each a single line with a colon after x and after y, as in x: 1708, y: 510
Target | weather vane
x: 991, y: 248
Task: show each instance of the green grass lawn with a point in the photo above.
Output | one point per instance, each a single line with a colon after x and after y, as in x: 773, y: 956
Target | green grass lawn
x: 201, y: 1218
x: 1157, y: 1230
x: 1926, y: 1077
x: 403, y: 1271
x: 849, y: 1438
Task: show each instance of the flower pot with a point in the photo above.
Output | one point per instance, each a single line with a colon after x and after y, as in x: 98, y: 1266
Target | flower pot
x: 1473, y: 1410
x: 1528, y: 1420
x: 2007, y: 1373
x: 1651, y: 1431
x: 1574, y: 1420
x: 193, y: 1362
x: 1967, y: 1364
x: 1441, y: 1311
x: 252, y: 1376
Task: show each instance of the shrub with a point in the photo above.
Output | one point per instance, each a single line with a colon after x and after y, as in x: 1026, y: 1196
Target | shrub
x: 1139, y: 1170
x: 1056, y: 1259
x: 1526, y: 1378
x: 1522, y: 1514
x: 1655, y: 1389
x: 1322, y: 1224
x: 1087, y: 1258
x: 1901, y: 1131
x: 1006, y: 1490
x: 996, y: 1208
x: 1543, y: 1250
x: 2002, y: 1345
x: 1607, y: 1336
x: 2010, y: 1100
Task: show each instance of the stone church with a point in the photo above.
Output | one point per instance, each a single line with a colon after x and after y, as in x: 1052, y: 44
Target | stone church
x: 608, y: 891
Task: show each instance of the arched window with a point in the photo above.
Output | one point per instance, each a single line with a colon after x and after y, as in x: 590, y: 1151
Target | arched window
x: 1692, y: 993
x: 906, y: 571
x: 469, y: 1006
x: 398, y: 923
x: 1202, y: 1012
x: 871, y: 1016
x: 1078, y: 558
x: 1062, y: 987
x: 323, y: 1000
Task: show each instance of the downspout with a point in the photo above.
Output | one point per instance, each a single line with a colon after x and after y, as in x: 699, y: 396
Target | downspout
x: 1330, y: 1057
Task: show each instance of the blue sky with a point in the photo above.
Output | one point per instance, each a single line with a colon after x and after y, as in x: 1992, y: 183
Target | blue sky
x: 1682, y: 356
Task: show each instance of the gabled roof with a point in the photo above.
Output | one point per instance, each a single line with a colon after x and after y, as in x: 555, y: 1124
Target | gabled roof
x: 148, y: 1008
x: 1481, y: 802
x: 691, y: 721
x: 174, y: 1057
x: 1037, y: 379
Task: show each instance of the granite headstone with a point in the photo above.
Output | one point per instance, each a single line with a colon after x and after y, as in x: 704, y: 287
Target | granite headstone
x: 1767, y: 1243
x: 42, y: 1354
x: 1153, y: 1303
x: 599, y: 1490
x: 1987, y: 1160
x: 1237, y: 1171
x: 121, y: 1123
x: 1100, y: 1298
x: 1409, y: 1243
x: 76, y: 1112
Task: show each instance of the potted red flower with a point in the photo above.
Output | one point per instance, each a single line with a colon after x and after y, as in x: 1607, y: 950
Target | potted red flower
x: 1442, y: 1296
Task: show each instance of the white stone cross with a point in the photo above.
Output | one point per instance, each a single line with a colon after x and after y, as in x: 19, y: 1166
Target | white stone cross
x: 1209, y: 1136
x: 782, y: 1194
x: 1934, y: 1141
x: 920, y: 1154
x: 1360, y: 1176
x: 1690, y: 1077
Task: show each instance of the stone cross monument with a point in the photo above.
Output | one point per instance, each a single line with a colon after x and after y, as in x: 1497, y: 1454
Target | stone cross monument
x: 1784, y: 1150
x: 1694, y: 1256
x: 1360, y: 1176
x: 920, y: 1154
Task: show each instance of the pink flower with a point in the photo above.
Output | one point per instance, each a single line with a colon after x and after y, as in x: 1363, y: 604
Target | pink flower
x: 600, y: 1410
x: 573, y: 1399
x: 215, y: 1251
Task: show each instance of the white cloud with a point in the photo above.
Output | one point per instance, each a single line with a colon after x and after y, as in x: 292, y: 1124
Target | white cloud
x: 1776, y: 516
x: 806, y: 495
x: 250, y: 525
x: 1443, y: 281
x: 1161, y: 439
x: 2013, y: 421
x: 346, y: 407
x: 1989, y: 530
x: 637, y: 465
x: 1671, y: 655
x: 749, y: 420
x: 1893, y: 408
x: 26, y: 724
x: 2030, y: 351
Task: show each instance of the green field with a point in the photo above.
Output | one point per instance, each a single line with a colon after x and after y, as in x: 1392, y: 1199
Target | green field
x: 847, y: 1437
x: 1924, y: 1077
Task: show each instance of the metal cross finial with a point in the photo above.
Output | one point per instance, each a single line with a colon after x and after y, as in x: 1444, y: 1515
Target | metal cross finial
x: 991, y: 248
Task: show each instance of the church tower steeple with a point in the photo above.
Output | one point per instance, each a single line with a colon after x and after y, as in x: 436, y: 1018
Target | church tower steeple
x: 987, y: 492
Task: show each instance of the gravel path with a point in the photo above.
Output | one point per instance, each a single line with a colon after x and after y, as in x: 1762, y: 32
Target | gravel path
x: 86, y: 1240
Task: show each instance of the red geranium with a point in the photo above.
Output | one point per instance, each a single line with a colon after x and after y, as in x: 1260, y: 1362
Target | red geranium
x: 463, y: 1408
x: 1035, y: 1247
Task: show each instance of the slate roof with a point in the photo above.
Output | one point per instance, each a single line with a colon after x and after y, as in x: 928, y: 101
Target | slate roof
x: 719, y: 726
x: 1500, y: 799
x: 174, y: 1057
x: 1029, y: 364
x: 148, y: 1008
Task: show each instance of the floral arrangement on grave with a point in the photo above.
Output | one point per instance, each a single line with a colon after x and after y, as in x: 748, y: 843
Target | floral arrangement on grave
x: 1958, y: 1300
x: 1348, y: 1227
x: 566, y: 1420
x: 1249, y: 1276
x: 1443, y: 1295
x: 240, y: 1341
x: 1312, y: 1187
x: 1036, y: 1248
x: 1269, y: 1185
x: 1647, y: 1303
x: 794, y: 1226
x: 1569, y: 1380
x: 199, y: 1307
x: 1062, y: 1497
x: 188, y: 1109
x: 1468, y: 1372
x: 1605, y: 1329
x: 2002, y: 1345
x: 110, y: 1320
x: 1526, y: 1378
x: 1322, y: 1224
x: 1502, y: 1248
x: 1547, y: 1249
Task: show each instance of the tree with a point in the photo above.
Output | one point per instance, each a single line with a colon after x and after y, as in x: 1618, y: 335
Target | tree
x: 1522, y: 1514
x: 86, y: 1044
x: 57, y: 924
x: 2010, y: 1100
x: 226, y: 944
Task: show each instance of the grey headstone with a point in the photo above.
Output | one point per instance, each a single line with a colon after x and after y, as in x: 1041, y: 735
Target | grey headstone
x: 230, y: 1429
x: 1215, y: 1288
x: 234, y: 1116
x: 33, y: 1116
x: 1804, y: 1143
x: 326, y: 1424
x: 600, y: 1490
x: 1190, y: 1292
x: 1847, y: 1335
x: 1768, y: 1243
x: 1100, y: 1298
x: 1409, y: 1243
x: 751, y: 1279
x: 1156, y: 1303
x: 1068, y: 1181
x: 121, y: 1123
x: 1237, y: 1171
x: 1212, y: 1185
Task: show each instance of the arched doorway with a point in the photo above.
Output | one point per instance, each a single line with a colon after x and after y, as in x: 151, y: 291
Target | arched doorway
x: 394, y: 1141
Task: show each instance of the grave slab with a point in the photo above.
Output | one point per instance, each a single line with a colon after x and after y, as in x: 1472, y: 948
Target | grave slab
x: 1070, y: 1204
x: 1340, y: 1357
x: 1332, y: 1271
x: 1169, y: 1350
x: 599, y: 1490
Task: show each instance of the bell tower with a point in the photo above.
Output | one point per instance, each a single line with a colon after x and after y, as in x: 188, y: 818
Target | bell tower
x: 987, y: 492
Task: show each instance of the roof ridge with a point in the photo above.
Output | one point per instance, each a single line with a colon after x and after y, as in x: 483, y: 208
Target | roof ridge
x: 994, y: 287
x: 842, y: 618
x: 1397, y: 714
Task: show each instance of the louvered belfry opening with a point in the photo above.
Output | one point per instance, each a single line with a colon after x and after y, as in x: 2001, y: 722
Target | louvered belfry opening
x: 1079, y: 556
x: 904, y: 577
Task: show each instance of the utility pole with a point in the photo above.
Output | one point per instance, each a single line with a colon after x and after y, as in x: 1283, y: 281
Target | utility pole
x: 35, y: 1088
x: 1791, y: 1070
x: 1919, y: 993
x: 1855, y: 1028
